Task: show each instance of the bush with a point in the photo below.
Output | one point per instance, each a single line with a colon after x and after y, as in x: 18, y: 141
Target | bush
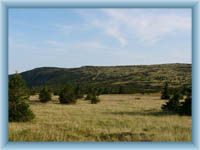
x: 186, y: 106
x: 67, y: 95
x: 120, y: 90
x: 185, y: 89
x: 165, y: 91
x: 88, y: 97
x: 45, y: 95
x: 32, y: 91
x: 173, y: 104
x: 93, y: 94
x: 18, y: 100
x: 78, y: 92
x: 95, y: 99
x: 55, y: 93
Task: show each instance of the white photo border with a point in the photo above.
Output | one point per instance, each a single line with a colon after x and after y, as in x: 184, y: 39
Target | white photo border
x: 5, y: 5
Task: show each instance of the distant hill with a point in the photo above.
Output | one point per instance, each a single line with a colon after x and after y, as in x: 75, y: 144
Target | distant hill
x: 135, y: 78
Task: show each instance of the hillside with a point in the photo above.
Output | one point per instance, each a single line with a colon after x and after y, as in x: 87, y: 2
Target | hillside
x: 134, y: 78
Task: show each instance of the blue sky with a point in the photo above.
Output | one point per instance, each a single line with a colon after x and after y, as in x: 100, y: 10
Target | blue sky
x: 78, y: 37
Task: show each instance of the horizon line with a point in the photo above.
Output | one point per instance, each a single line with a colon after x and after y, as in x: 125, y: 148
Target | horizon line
x: 98, y: 66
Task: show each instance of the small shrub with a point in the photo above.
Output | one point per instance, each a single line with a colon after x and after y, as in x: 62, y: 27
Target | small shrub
x: 45, y: 95
x: 67, y: 95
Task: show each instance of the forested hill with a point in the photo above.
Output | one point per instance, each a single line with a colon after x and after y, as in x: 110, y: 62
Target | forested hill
x: 132, y: 78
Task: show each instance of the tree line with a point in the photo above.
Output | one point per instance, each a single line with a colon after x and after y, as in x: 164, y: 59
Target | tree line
x: 19, y: 109
x: 103, y: 88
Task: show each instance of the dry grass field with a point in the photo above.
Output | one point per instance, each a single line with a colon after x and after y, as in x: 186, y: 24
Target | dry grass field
x: 133, y: 117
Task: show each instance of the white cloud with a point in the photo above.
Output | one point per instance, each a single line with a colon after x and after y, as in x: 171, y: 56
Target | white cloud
x: 90, y: 38
x: 115, y: 33
x: 111, y: 30
x: 149, y: 27
x: 146, y: 25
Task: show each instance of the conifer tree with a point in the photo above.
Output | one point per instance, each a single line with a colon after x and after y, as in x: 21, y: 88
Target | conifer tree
x: 18, y: 100
x: 94, y: 99
x: 165, y: 91
x: 173, y: 104
x: 186, y: 106
x: 92, y: 95
x: 78, y: 92
x: 67, y: 95
x: 120, y: 89
x: 45, y: 95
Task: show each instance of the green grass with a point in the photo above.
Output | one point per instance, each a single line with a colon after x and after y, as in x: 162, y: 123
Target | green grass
x: 116, y: 118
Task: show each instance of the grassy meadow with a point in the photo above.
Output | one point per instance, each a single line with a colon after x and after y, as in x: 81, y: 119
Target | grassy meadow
x: 125, y: 117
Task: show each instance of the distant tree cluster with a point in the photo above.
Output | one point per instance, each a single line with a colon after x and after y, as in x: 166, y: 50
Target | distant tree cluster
x: 173, y: 104
x: 69, y: 94
x: 106, y: 88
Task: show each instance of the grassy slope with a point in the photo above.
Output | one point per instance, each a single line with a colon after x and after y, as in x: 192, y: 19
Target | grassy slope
x: 115, y: 118
x: 141, y: 75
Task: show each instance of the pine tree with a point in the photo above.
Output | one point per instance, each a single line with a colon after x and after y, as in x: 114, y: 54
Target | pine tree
x: 18, y: 100
x: 120, y: 89
x: 165, y: 91
x: 94, y: 99
x: 186, y: 106
x: 92, y: 95
x: 173, y: 104
x: 88, y: 97
x: 45, y: 95
x: 67, y: 95
x: 78, y: 92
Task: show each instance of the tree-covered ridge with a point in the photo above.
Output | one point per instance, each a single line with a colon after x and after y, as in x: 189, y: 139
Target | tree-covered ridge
x: 128, y: 79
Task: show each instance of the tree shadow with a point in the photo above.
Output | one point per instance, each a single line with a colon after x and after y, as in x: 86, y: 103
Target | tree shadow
x: 142, y: 113
x: 37, y: 102
x: 126, y: 136
x: 34, y: 102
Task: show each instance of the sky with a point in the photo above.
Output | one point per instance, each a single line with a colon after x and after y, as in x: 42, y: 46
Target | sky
x: 98, y: 37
